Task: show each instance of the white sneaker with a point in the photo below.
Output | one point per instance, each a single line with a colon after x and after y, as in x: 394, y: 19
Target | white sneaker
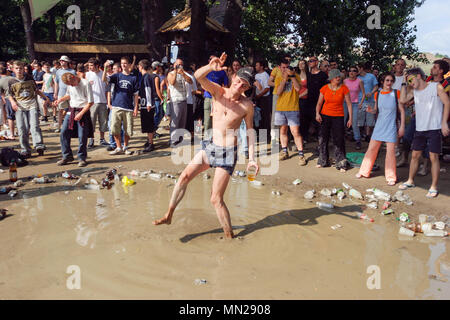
x: 127, y: 151
x: 116, y: 151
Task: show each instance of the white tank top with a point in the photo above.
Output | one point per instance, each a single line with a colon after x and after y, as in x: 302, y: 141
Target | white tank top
x: 429, y: 108
x: 178, y: 90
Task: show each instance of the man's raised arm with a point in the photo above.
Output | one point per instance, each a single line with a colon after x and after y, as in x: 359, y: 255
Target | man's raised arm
x: 216, y: 64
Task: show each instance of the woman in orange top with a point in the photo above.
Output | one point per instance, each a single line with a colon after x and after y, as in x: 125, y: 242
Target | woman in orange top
x: 331, y: 119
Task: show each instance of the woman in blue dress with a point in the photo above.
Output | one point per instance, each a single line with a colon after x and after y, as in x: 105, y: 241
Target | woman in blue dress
x: 386, y: 130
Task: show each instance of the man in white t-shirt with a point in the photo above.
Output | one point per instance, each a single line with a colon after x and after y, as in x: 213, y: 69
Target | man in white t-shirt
x: 78, y: 117
x: 99, y: 110
x: 262, y: 98
x: 399, y: 69
x: 432, y: 107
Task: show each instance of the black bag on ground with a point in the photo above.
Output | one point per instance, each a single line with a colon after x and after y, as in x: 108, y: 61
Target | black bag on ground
x: 8, y: 154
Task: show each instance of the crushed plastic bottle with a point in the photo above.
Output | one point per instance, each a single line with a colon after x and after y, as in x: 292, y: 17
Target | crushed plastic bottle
x: 370, y: 198
x: 309, y: 194
x: 404, y: 217
x: 364, y: 216
x: 156, y: 176
x: 336, y: 226
x: 406, y: 232
x: 297, y: 182
x: 345, y: 185
x: 92, y: 187
x: 380, y: 194
x: 206, y: 176
x: 341, y: 195
x: 18, y: 184
x: 439, y: 225
x: 436, y: 233
x: 41, y: 180
x: 127, y: 182
x: 12, y: 193
x: 387, y: 212
x: 5, y: 190
x: 355, y: 194
x: 325, y: 192
x: 68, y: 175
x: 372, y: 205
x: 324, y: 205
x: 256, y: 183
x: 276, y: 193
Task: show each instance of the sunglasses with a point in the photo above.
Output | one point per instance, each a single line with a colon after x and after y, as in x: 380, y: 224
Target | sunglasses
x: 353, y: 70
x: 312, y: 60
x: 410, y: 80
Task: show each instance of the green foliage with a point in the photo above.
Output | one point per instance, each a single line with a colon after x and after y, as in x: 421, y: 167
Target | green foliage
x: 10, y: 47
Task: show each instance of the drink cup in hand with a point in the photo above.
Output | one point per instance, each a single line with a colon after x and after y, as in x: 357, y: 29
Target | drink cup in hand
x: 251, y: 173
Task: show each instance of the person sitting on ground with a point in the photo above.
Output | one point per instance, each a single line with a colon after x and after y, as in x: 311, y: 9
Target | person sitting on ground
x: 387, y: 107
x: 432, y: 107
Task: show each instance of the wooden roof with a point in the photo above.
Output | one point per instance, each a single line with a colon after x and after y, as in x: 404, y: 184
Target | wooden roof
x: 182, y: 22
x: 90, y: 47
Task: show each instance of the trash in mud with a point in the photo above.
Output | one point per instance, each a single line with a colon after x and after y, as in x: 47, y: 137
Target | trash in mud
x: 296, y: 182
x: 200, y: 281
x: 404, y: 217
x: 336, y: 226
x: 111, y: 174
x: 169, y: 176
x: 67, y: 192
x: 5, y: 190
x: 436, y: 233
x: 345, y: 185
x: 12, y: 193
x: 156, y: 176
x: 325, y: 192
x: 440, y: 225
x: 386, y: 205
x: 276, y: 193
x: 372, y: 205
x: 341, y: 195
x: 3, y: 212
x: 206, y: 176
x: 309, y: 194
x: 370, y: 198
x: 406, y: 232
x: 92, y: 187
x: 443, y: 170
x: 93, y: 181
x: 18, y: 184
x: 43, y: 179
x: 165, y: 154
x: 106, y: 183
x: 127, y: 181
x: 364, y: 216
x: 324, y: 205
x: 1, y: 171
x: 134, y: 173
x: 355, y: 194
x: 387, y: 212
x: 335, y: 191
x: 68, y: 175
x: 78, y: 182
x: 256, y: 183
x: 381, y: 195
x: 242, y: 174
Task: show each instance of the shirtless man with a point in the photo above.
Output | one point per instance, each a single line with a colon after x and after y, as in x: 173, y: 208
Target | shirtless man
x: 230, y: 107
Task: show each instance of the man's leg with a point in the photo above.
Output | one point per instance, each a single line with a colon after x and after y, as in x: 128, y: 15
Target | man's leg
x: 298, y: 139
x: 64, y: 137
x: 36, y: 133
x: 24, y: 129
x: 435, y: 169
x: 220, y: 183
x: 284, y: 136
x: 83, y: 133
x: 414, y: 166
x: 197, y: 165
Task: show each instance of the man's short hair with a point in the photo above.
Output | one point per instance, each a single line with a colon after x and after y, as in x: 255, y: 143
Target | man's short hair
x: 18, y: 63
x: 416, y: 72
x: 94, y: 61
x: 367, y: 65
x: 145, y: 64
x: 263, y: 63
x: 284, y: 61
x: 66, y: 77
x: 46, y: 63
x: 125, y: 58
x: 443, y: 65
x: 56, y: 62
x: 117, y: 64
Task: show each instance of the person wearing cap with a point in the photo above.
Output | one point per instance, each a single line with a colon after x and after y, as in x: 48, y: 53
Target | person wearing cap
x: 287, y: 115
x: 230, y: 107
x: 61, y: 87
x: 330, y: 115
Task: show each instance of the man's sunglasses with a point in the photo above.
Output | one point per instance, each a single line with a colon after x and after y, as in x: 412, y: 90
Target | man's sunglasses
x: 353, y: 70
x: 410, y: 80
x: 312, y: 60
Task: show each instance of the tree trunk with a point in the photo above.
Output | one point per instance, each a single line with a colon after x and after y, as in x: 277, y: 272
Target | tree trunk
x: 26, y: 18
x: 52, y: 26
x: 198, y: 31
x: 152, y: 17
x: 232, y: 22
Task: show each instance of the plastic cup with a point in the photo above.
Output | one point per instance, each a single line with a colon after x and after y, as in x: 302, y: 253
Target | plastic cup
x: 406, y: 232
x: 251, y: 173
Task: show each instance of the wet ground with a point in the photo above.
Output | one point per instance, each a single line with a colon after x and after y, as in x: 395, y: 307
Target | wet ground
x: 285, y: 247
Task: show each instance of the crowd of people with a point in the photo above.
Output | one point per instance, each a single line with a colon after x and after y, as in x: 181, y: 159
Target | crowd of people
x: 308, y: 101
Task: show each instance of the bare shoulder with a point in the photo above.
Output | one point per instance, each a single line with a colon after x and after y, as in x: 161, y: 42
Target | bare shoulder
x: 247, y: 102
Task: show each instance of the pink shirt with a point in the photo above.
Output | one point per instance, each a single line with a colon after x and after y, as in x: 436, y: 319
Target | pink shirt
x: 353, y: 86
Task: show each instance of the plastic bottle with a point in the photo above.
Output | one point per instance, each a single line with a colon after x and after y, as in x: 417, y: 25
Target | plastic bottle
x: 13, y: 171
x: 324, y: 205
x: 355, y: 194
x: 364, y: 216
x: 380, y: 194
x: 436, y: 233
x: 345, y: 185
x: 406, y: 232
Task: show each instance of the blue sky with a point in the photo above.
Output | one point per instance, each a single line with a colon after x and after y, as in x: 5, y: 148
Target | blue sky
x: 433, y: 26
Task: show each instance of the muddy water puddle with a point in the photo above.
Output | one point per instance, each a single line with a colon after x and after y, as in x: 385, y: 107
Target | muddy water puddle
x: 285, y: 248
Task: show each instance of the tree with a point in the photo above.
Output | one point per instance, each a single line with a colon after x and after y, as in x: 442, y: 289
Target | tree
x: 153, y: 13
x: 197, y: 31
x: 27, y: 22
x: 232, y: 21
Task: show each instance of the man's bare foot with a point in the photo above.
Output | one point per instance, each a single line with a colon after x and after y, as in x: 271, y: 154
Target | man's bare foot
x: 342, y: 170
x: 165, y: 220
x: 229, y: 234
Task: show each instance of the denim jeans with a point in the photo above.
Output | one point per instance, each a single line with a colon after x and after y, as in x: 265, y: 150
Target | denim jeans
x: 112, y: 142
x: 66, y: 135
x: 159, y: 113
x: 28, y: 120
x: 356, y: 133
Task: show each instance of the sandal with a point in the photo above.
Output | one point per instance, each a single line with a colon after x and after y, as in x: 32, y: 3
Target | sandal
x: 432, y: 194
x: 391, y: 183
x: 406, y: 185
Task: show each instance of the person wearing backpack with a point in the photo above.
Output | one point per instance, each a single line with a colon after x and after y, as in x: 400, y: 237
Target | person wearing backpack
x: 386, y: 129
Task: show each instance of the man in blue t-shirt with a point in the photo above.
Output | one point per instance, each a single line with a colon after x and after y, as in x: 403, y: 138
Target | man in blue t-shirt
x: 221, y: 78
x: 61, y: 87
x: 125, y: 102
x: 370, y: 82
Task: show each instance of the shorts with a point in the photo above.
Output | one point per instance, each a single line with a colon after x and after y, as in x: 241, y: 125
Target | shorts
x: 430, y: 138
x: 366, y: 118
x: 99, y: 111
x: 220, y: 157
x: 10, y: 113
x: 119, y: 116
x: 148, y: 120
x: 290, y: 118
x: 49, y: 95
x: 63, y: 105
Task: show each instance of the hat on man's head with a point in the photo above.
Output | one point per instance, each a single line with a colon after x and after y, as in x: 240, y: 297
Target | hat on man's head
x: 156, y: 64
x: 65, y: 58
x: 247, y: 74
x: 334, y: 73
